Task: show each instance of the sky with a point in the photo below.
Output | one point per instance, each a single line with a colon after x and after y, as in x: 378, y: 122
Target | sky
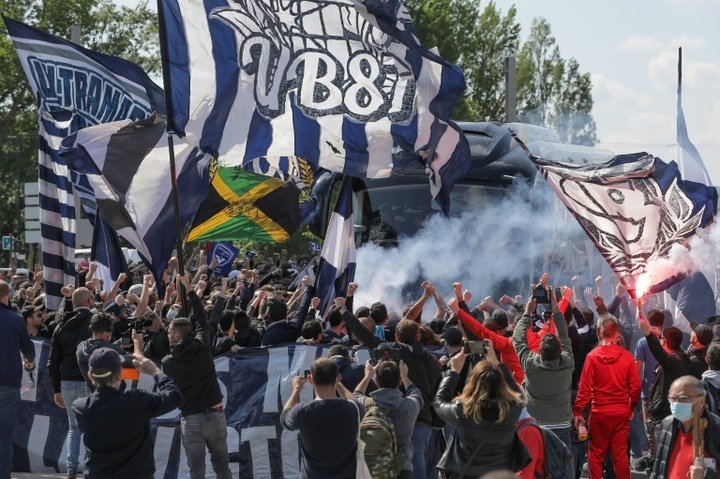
x: 630, y: 50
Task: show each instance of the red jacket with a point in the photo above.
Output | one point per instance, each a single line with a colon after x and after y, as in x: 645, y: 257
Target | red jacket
x: 502, y: 345
x: 609, y: 381
x: 534, y: 339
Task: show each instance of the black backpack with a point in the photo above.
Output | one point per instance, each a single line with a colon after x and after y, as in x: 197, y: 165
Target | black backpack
x: 558, y: 458
x: 713, y: 397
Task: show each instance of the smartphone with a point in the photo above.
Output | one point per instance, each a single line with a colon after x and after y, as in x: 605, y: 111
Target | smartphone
x: 307, y: 372
x: 540, y: 295
x: 475, y: 347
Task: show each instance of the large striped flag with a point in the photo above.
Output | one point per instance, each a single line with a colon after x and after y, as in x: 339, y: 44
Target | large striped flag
x: 94, y: 88
x: 57, y: 207
x: 345, y: 85
x: 337, y: 260
x: 127, y: 167
x: 693, y: 298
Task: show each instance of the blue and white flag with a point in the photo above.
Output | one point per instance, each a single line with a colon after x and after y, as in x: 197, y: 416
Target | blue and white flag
x: 57, y: 207
x: 634, y: 208
x: 693, y: 298
x: 337, y: 260
x: 225, y: 253
x: 127, y: 165
x: 94, y: 88
x: 344, y: 84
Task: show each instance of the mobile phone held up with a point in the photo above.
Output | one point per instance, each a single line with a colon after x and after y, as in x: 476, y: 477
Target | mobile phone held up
x: 475, y: 347
x: 540, y: 295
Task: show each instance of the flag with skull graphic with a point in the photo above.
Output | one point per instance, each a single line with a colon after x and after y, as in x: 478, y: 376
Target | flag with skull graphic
x: 634, y: 208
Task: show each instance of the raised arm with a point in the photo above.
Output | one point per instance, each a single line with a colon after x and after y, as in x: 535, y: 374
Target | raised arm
x: 299, y: 317
x: 417, y: 308
x: 520, y: 341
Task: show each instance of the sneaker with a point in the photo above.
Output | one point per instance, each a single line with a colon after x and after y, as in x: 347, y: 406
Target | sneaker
x: 642, y: 463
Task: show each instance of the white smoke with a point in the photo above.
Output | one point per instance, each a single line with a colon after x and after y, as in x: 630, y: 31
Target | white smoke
x: 495, y: 249
x: 699, y: 253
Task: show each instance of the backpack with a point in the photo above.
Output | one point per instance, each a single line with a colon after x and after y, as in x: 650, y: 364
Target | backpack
x: 713, y: 401
x: 558, y: 458
x: 378, y: 433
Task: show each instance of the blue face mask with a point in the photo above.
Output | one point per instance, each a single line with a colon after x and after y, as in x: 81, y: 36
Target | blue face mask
x: 682, y: 411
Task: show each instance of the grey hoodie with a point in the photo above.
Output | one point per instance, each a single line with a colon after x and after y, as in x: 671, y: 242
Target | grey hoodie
x: 403, y: 411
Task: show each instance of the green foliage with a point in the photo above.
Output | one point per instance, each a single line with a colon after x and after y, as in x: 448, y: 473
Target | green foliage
x: 551, y: 91
x: 130, y: 33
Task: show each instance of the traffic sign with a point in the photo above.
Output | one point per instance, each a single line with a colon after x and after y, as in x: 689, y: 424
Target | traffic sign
x: 7, y: 242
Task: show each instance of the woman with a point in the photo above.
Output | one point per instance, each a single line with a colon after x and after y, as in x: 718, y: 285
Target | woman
x: 484, y: 416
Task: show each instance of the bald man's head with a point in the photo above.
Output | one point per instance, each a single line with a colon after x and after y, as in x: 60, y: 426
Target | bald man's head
x: 688, y: 386
x: 82, y: 298
x: 4, y: 292
x: 368, y: 323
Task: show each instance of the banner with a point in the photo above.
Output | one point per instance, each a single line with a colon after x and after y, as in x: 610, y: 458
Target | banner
x: 255, y: 384
x: 225, y: 253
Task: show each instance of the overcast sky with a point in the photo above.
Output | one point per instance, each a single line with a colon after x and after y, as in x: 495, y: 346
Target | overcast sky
x: 630, y: 49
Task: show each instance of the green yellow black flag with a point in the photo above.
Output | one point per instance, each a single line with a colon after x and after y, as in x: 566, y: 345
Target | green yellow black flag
x: 242, y: 205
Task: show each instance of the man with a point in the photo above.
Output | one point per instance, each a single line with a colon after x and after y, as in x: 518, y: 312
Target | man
x: 673, y: 363
x: 610, y: 386
x: 646, y: 364
x: 280, y: 330
x: 14, y: 341
x: 34, y: 317
x: 190, y: 364
x: 67, y: 380
x: 675, y: 455
x: 548, y: 375
x: 711, y: 378
x: 402, y: 410
x: 224, y: 340
x: 326, y: 452
x: 700, y: 339
x: 101, y: 328
x: 116, y: 424
x: 336, y: 332
x: 351, y: 373
x: 423, y: 369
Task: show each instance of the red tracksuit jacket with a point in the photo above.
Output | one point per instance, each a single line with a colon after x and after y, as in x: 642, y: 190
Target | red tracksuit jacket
x: 502, y: 345
x: 609, y: 382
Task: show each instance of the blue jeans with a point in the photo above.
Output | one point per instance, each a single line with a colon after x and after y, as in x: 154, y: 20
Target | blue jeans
x: 638, y: 440
x: 420, y: 439
x: 9, y: 406
x: 72, y: 390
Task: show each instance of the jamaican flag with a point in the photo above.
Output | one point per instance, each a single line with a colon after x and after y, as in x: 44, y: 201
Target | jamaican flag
x: 242, y: 205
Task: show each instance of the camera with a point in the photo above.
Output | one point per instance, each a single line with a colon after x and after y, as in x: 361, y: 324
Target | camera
x: 475, y: 347
x: 385, y: 354
x: 307, y: 372
x: 540, y: 295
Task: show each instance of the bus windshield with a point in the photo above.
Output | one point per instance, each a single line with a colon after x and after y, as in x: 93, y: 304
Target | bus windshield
x: 384, y: 214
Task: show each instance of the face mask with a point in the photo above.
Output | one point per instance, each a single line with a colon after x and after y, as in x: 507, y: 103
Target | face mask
x: 171, y: 314
x: 682, y: 411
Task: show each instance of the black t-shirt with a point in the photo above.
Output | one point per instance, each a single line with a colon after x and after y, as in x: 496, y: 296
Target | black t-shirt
x: 328, y: 436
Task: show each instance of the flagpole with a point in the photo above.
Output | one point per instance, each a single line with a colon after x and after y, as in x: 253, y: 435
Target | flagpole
x: 679, y: 85
x: 167, y: 87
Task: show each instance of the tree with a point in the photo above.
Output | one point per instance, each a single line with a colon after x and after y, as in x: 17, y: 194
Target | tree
x: 478, y: 41
x: 105, y: 28
x: 551, y: 91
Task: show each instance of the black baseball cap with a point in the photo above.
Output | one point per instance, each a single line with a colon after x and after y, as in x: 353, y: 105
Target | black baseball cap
x: 104, y: 362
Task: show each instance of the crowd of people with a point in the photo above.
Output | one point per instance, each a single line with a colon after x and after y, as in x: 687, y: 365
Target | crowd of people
x: 541, y: 386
